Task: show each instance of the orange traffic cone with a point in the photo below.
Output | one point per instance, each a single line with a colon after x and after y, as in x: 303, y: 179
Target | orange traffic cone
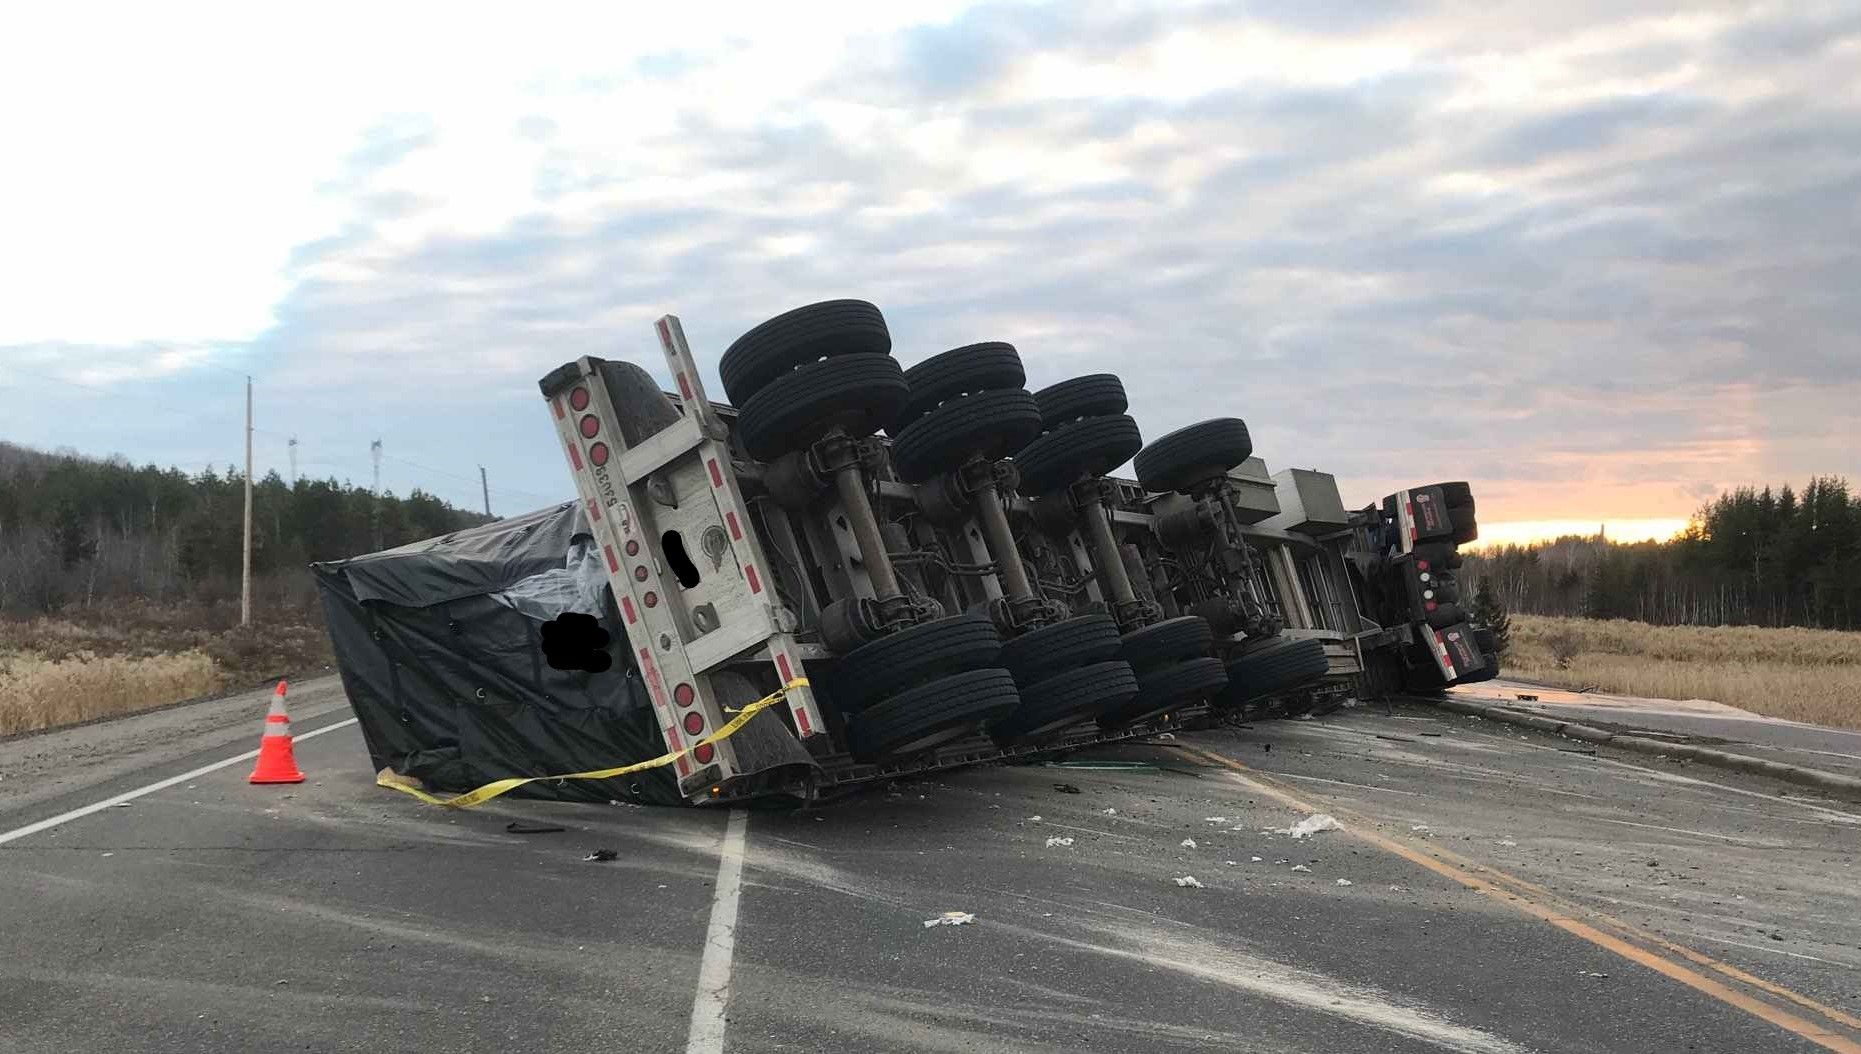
x: 275, y: 763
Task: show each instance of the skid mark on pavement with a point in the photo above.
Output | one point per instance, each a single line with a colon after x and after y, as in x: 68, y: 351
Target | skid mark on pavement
x: 266, y: 993
x: 1628, y: 941
x: 1206, y: 960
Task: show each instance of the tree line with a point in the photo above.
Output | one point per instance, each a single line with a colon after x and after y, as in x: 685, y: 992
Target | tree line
x: 1750, y: 557
x: 78, y: 531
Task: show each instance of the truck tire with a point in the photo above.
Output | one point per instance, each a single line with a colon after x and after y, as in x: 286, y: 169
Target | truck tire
x: 961, y: 371
x: 1445, y: 615
x: 1094, y: 395
x: 1484, y: 673
x: 1069, y: 698
x: 1488, y: 645
x: 859, y: 392
x: 1191, y: 455
x: 1168, y: 688
x: 1276, y: 668
x: 931, y: 714
x: 1444, y: 586
x: 1040, y: 653
x: 1455, y: 493
x: 1170, y: 641
x: 986, y: 424
x: 914, y: 654
x: 1440, y: 556
x: 1091, y: 447
x: 1466, y: 526
x: 795, y: 338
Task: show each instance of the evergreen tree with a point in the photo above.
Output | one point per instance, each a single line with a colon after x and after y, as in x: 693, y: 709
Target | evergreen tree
x: 1489, y: 610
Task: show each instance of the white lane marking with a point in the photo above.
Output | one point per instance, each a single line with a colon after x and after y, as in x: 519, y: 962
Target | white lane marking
x: 720, y: 944
x: 83, y: 811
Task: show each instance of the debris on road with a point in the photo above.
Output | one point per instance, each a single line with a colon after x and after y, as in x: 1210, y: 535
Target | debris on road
x: 1067, y: 788
x: 1214, y: 819
x: 1057, y: 841
x: 1313, y: 824
x: 1344, y: 881
x: 1420, y: 828
x: 1507, y: 842
x: 1301, y: 867
x: 1255, y: 859
x: 1189, y: 882
x: 1111, y: 812
x: 1034, y: 818
x: 1188, y: 843
x: 519, y: 827
x: 602, y: 856
x: 950, y: 918
x: 122, y: 805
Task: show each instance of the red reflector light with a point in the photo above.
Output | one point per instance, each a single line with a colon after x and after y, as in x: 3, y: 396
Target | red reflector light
x: 591, y: 425
x: 639, y: 573
x: 704, y: 753
x: 598, y: 453
x: 694, y: 722
x: 1421, y: 565
x: 651, y: 599
x: 633, y: 547
x: 1430, y: 606
x: 683, y: 695
x: 578, y: 399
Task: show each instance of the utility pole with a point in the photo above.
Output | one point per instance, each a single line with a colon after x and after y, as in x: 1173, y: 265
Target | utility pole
x: 292, y: 444
x: 374, y: 451
x: 486, y: 486
x: 245, y: 558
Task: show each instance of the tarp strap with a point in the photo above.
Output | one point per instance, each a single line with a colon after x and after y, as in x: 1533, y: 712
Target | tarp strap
x: 395, y: 781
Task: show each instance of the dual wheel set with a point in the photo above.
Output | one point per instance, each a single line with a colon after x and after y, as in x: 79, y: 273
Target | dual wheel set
x: 813, y: 385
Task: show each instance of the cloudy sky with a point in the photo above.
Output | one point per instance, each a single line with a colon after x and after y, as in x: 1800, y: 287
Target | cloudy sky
x: 1602, y: 262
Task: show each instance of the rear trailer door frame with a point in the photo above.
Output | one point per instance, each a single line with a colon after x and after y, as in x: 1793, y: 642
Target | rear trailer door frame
x: 678, y: 482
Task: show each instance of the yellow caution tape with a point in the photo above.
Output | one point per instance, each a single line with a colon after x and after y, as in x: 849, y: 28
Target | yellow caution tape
x: 491, y: 790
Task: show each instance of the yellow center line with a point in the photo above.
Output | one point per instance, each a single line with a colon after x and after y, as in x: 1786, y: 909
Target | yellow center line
x: 1541, y: 904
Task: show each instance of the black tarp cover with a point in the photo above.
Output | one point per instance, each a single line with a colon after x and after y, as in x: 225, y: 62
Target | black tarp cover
x: 448, y: 678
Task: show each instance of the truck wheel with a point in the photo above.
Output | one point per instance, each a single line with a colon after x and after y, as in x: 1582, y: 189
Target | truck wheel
x: 1168, y: 688
x: 1484, y: 673
x: 1276, y: 668
x: 795, y: 338
x: 857, y: 392
x: 1456, y: 493
x: 1439, y: 555
x: 1094, y: 395
x: 986, y: 424
x: 928, y: 650
x: 1069, y: 698
x: 1191, y: 455
x: 1040, y: 653
x: 1445, y: 615
x: 1466, y: 527
x: 1170, y: 641
x: 932, y: 714
x: 1444, y: 586
x: 1488, y: 644
x: 1091, y: 447
x: 961, y: 371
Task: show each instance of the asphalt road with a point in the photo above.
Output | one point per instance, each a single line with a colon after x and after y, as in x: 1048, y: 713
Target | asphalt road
x: 1493, y: 890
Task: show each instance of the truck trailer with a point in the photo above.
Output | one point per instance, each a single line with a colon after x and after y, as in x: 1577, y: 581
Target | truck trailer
x: 934, y: 567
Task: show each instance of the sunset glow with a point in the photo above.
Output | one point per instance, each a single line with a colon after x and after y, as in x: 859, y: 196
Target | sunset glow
x: 1524, y: 532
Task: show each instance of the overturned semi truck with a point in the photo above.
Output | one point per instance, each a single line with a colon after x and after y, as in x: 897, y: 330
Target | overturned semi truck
x: 939, y: 554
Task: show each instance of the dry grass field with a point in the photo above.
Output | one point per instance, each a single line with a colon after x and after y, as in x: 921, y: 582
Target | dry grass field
x: 106, y: 663
x: 1798, y: 674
